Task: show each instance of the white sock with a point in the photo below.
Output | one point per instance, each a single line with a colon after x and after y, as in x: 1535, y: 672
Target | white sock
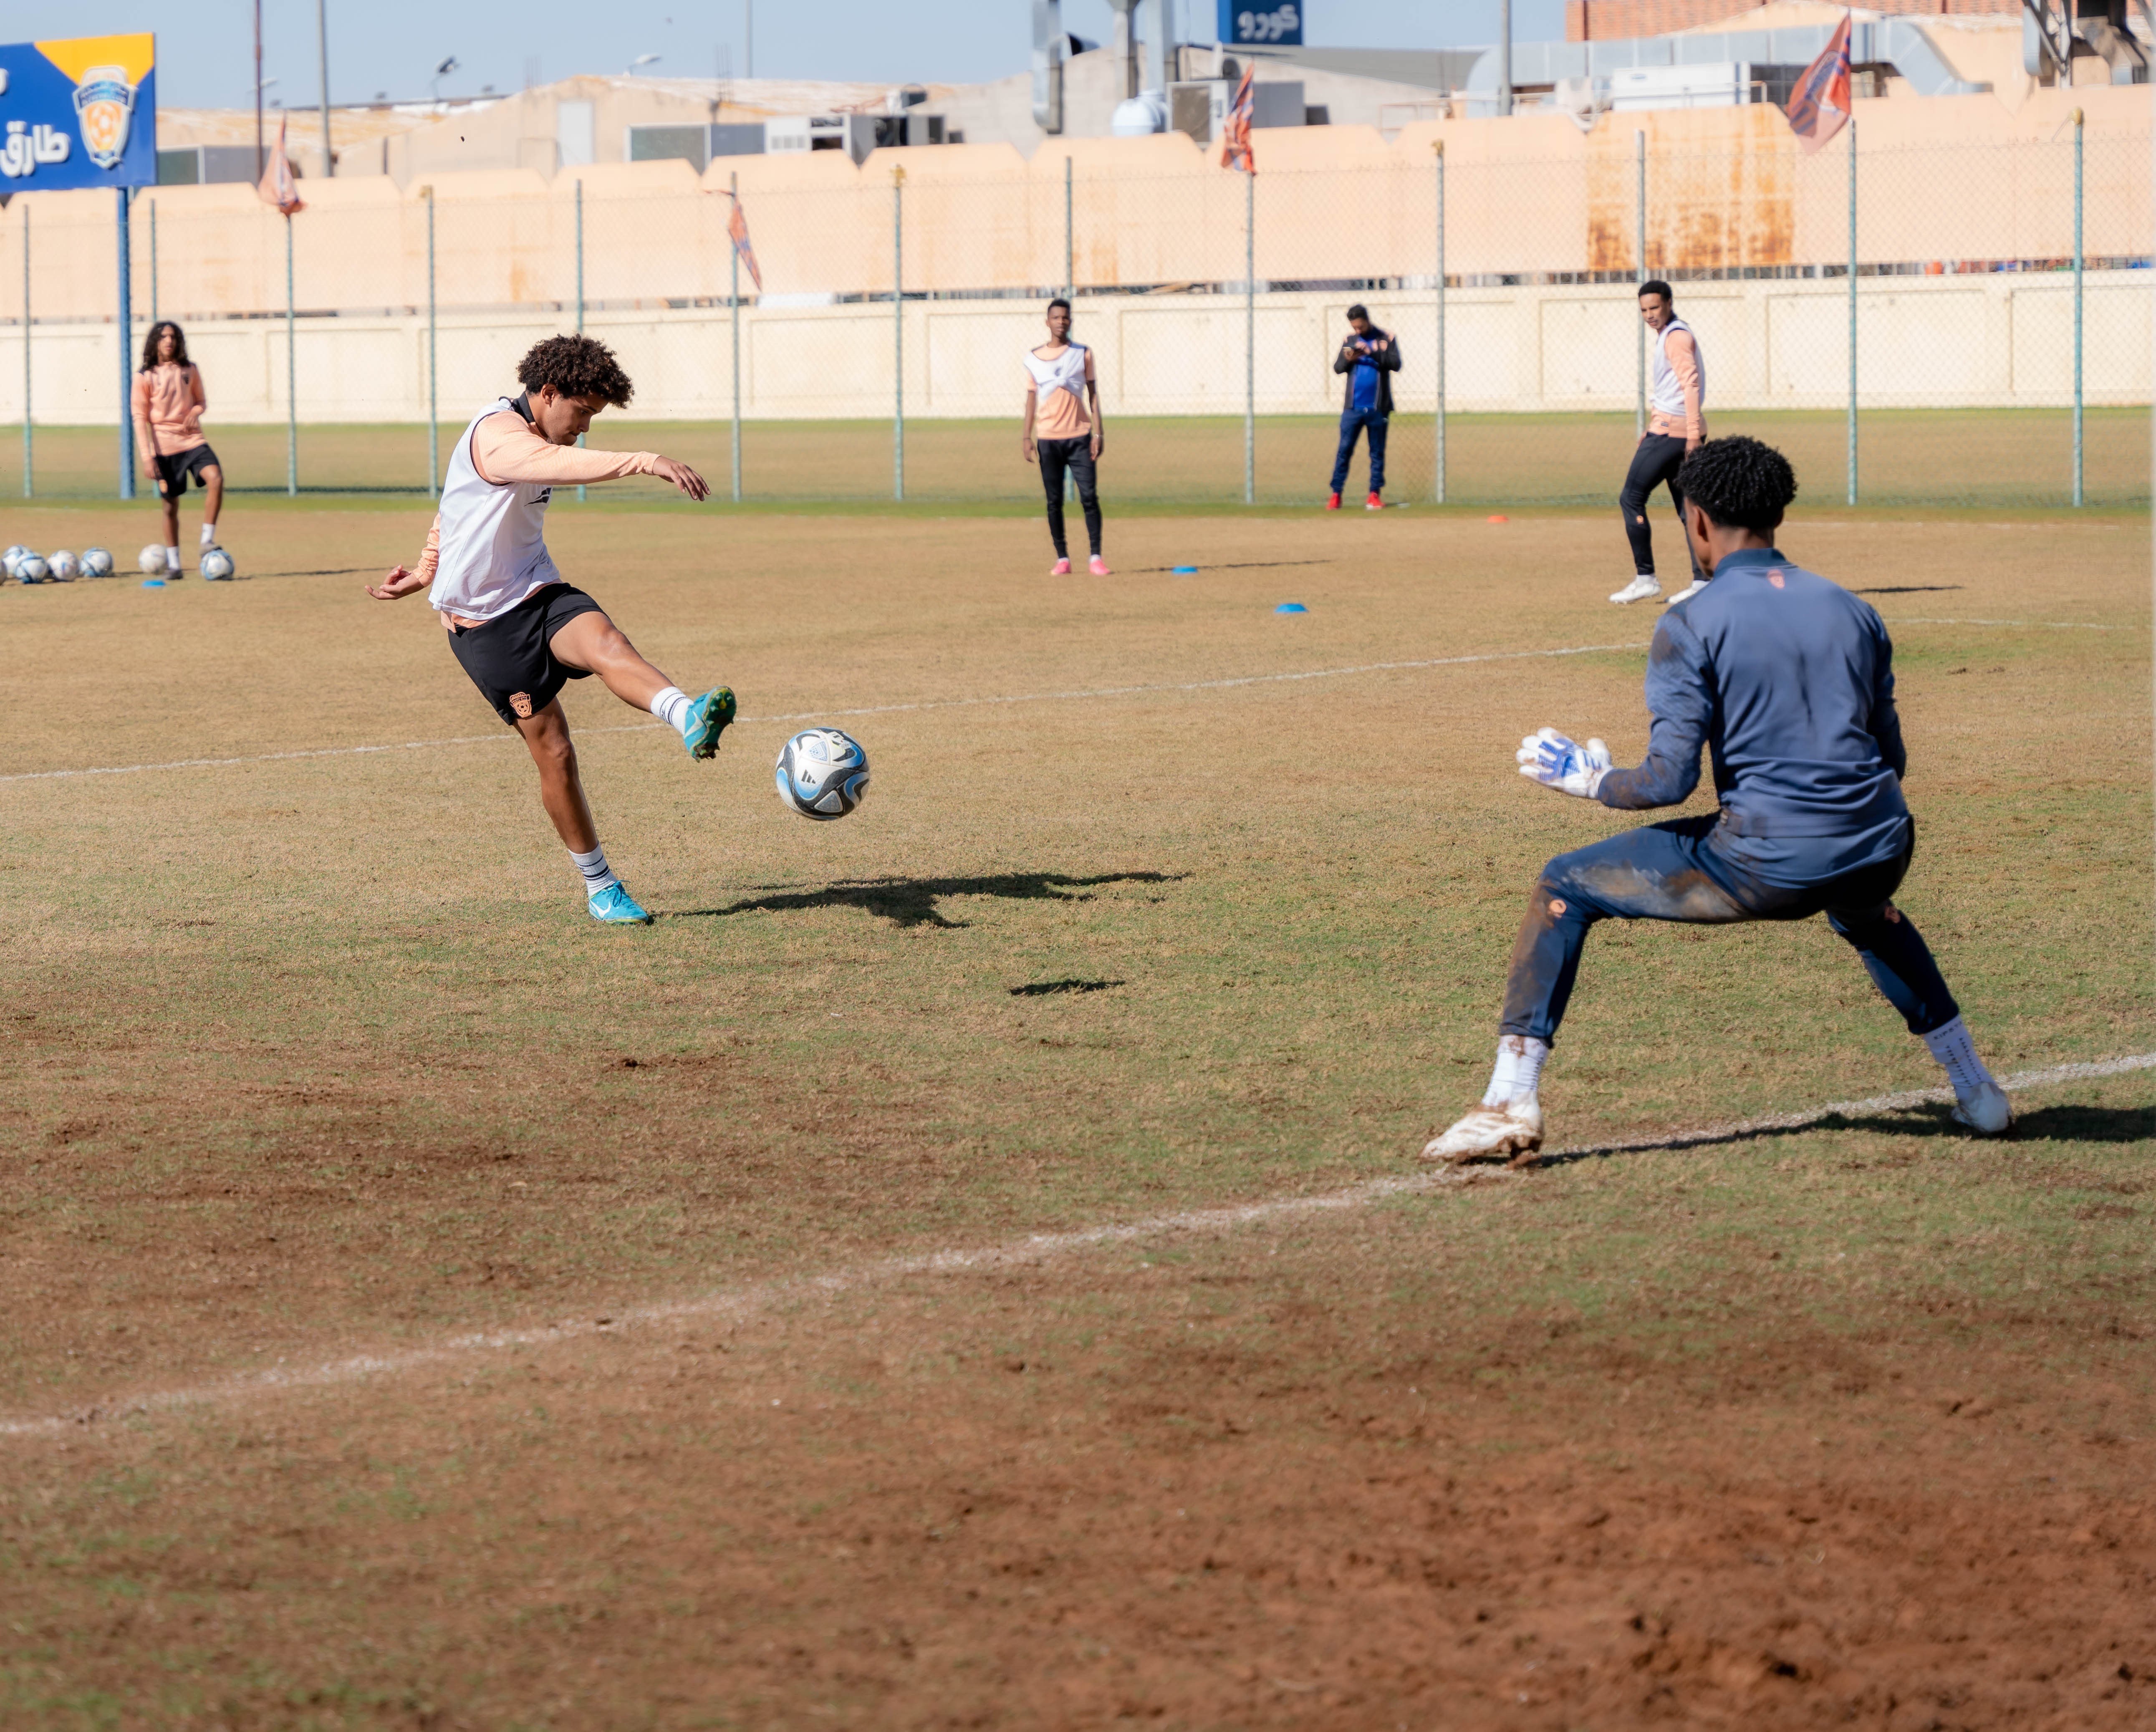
x: 1952, y: 1046
x: 598, y: 875
x: 671, y: 707
x: 1519, y: 1072
x: 209, y: 535
x: 172, y: 559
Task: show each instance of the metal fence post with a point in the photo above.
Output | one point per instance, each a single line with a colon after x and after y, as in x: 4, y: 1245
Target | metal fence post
x: 27, y: 489
x: 733, y: 301
x: 2079, y: 262
x: 291, y: 376
x: 580, y: 300
x: 1852, y: 311
x: 434, y: 411
x: 1069, y: 237
x: 1249, y: 336
x: 127, y: 356
x: 153, y: 261
x: 1640, y: 249
x: 1438, y: 148
x: 898, y: 333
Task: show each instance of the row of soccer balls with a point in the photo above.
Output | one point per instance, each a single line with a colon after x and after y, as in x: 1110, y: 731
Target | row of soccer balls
x: 25, y: 565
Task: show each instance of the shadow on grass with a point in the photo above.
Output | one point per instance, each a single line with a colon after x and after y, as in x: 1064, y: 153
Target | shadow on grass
x: 1909, y: 589
x: 1044, y: 989
x: 2065, y: 1123
x: 912, y: 901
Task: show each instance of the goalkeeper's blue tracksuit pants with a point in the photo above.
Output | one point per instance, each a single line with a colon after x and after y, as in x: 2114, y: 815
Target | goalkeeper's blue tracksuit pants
x: 1669, y: 871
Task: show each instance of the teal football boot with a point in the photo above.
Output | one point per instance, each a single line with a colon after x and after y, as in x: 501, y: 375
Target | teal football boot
x: 709, y: 718
x: 615, y: 907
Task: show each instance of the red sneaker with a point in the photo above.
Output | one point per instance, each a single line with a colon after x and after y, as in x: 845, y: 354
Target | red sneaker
x: 1097, y: 566
x: 1373, y: 504
x: 1332, y: 503
x: 1061, y: 568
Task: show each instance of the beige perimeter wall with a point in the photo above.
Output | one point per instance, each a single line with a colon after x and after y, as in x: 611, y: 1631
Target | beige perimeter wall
x: 1997, y: 341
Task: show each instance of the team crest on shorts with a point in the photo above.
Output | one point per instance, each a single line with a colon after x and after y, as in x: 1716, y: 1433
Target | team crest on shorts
x: 521, y: 701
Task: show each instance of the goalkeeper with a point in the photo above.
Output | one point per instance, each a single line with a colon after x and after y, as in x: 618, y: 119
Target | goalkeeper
x: 1788, y: 680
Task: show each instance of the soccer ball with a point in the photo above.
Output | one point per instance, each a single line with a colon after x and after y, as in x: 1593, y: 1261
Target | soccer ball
x: 152, y: 560
x: 217, y: 564
x: 821, y: 774
x: 31, y: 569
x: 62, y: 566
x: 96, y: 562
x: 8, y: 558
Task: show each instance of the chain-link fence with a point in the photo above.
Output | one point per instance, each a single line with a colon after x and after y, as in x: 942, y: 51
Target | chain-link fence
x: 1957, y: 323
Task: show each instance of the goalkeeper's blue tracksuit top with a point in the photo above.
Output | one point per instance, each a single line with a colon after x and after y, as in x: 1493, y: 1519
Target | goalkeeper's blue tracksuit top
x: 1788, y: 681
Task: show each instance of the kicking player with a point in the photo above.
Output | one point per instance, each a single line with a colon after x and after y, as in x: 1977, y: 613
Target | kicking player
x: 1677, y: 427
x: 1788, y: 680
x: 1060, y: 429
x: 169, y: 401
x: 520, y: 631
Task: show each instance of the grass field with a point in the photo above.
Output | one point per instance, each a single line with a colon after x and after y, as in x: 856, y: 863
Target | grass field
x: 1984, y: 458
x: 430, y: 1311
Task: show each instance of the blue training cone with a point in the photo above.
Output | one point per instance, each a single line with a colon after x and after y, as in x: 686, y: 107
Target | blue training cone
x: 1291, y: 607
x: 1186, y: 571
x: 153, y: 583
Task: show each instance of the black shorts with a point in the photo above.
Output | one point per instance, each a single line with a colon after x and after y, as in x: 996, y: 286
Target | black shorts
x: 510, y: 659
x: 173, y: 470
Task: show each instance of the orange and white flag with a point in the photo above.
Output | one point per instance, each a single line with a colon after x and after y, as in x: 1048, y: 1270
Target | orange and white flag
x: 737, y: 232
x: 1236, y: 135
x: 280, y: 186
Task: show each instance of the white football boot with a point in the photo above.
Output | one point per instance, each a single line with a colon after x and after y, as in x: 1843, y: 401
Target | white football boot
x: 1988, y: 1112
x: 1645, y: 589
x: 1697, y: 587
x: 1489, y: 1132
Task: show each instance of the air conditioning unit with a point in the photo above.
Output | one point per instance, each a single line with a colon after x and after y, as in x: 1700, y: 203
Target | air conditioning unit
x: 790, y: 134
x: 1721, y: 83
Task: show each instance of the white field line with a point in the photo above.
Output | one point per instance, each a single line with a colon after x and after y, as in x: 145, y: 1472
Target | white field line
x: 944, y: 703
x: 765, y: 1295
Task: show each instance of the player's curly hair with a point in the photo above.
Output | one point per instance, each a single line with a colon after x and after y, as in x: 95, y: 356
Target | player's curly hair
x: 1739, y: 483
x: 157, y: 333
x: 577, y: 366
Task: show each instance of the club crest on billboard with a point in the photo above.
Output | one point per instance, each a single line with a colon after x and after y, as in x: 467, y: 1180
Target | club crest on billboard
x: 105, y: 100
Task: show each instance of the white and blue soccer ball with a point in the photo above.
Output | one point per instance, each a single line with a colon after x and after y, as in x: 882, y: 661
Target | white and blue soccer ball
x: 31, y: 568
x: 62, y: 566
x: 821, y: 774
x: 151, y: 559
x: 96, y: 562
x: 8, y: 558
x: 217, y: 565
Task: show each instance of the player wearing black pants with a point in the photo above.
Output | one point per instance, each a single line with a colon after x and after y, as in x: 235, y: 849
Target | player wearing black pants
x: 1060, y: 428
x: 1076, y: 456
x: 1656, y: 461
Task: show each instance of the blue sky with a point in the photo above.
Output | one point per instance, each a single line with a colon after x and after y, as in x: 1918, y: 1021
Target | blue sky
x: 205, y: 46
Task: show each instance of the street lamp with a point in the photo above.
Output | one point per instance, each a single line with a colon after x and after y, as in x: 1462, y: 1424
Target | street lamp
x: 441, y: 72
x: 640, y: 60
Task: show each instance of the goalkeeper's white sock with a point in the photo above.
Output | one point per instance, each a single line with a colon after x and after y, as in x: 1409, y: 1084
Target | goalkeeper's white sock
x: 598, y: 875
x: 209, y: 535
x: 1954, y: 1048
x: 1518, y: 1072
x: 172, y: 559
x: 671, y: 707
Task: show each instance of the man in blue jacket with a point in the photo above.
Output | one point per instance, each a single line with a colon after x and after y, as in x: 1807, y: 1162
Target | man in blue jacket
x: 1369, y: 357
x: 1787, y: 680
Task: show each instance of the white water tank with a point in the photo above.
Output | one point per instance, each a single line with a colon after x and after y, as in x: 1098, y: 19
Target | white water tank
x: 1140, y: 116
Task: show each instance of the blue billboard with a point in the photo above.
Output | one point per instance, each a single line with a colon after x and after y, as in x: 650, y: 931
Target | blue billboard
x: 1262, y: 21
x: 81, y: 112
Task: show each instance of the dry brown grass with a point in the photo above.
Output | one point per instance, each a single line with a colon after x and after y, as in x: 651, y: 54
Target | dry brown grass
x: 317, y: 1056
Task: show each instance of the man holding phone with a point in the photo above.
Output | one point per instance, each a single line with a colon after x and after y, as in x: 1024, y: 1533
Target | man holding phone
x: 1369, y: 357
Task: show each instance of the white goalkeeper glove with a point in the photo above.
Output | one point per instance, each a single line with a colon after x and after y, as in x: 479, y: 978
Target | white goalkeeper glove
x: 1566, y: 765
